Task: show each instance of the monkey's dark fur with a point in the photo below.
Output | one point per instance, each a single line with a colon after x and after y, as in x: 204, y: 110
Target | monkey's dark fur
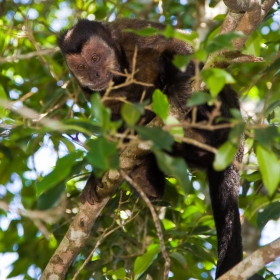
x: 95, y: 51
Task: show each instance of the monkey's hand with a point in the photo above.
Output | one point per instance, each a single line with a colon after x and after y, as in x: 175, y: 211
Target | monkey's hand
x: 89, y: 193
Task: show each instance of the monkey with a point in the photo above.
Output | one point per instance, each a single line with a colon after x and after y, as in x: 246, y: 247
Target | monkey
x: 96, y: 52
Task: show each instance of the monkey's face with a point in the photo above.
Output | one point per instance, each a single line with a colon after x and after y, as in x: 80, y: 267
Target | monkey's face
x: 94, y: 66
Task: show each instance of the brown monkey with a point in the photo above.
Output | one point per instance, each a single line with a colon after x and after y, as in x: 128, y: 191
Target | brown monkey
x: 96, y: 51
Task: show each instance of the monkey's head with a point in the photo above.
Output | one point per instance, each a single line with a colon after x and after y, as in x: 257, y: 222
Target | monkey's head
x: 93, y: 67
x: 90, y: 53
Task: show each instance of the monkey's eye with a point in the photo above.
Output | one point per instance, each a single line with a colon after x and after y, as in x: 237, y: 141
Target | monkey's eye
x: 81, y: 67
x: 95, y: 57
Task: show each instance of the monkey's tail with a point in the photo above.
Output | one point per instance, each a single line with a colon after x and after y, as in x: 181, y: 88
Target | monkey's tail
x: 224, y: 188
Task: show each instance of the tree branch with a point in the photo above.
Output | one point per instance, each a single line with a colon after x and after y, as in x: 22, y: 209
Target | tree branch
x: 231, y: 21
x: 241, y: 5
x: 73, y: 241
x: 251, y: 20
x: 239, y: 21
x: 29, y: 55
x: 254, y: 262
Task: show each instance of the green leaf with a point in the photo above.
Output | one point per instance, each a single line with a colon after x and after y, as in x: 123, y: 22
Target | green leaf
x: 274, y: 66
x: 181, y: 61
x: 265, y: 136
x: 253, y: 44
x: 215, y: 85
x: 50, y: 197
x: 68, y: 144
x: 176, y: 131
x: 200, y: 252
x: 271, y: 212
x: 183, y: 36
x: 131, y: 113
x: 236, y: 133
x: 3, y: 97
x: 221, y: 42
x: 168, y: 32
x: 160, y: 104
x: 19, y: 266
x: 89, y: 125
x: 102, y: 155
x: 201, y: 230
x: 236, y: 114
x: 174, y: 166
x: 220, y: 17
x: 269, y: 167
x: 190, y: 210
x: 161, y: 139
x: 60, y: 172
x: 180, y: 258
x: 200, y: 55
x: 143, y: 262
x: 79, y: 4
x: 168, y: 224
x: 216, y: 79
x: 100, y: 113
x: 147, y: 31
x: 272, y: 106
x: 224, y: 156
x: 253, y: 92
x: 199, y: 98
x: 117, y: 274
x: 254, y: 176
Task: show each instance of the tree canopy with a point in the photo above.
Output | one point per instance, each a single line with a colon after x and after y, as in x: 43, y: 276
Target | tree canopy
x: 51, y: 139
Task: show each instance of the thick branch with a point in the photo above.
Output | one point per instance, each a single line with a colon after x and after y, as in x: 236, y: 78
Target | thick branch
x: 266, y: 7
x: 73, y: 241
x: 250, y: 22
x: 242, y: 22
x: 254, y: 262
x: 241, y: 5
x: 247, y: 25
x: 231, y: 21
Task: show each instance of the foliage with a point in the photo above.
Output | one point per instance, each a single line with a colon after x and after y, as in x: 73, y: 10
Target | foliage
x: 47, y: 154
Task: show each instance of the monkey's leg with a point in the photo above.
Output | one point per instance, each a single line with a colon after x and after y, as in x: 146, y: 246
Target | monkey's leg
x: 224, y: 187
x: 149, y: 177
x: 89, y: 193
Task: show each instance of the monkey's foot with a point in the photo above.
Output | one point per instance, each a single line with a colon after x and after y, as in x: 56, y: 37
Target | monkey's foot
x: 89, y: 193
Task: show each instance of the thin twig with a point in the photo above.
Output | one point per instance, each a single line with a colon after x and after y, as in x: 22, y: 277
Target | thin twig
x: 156, y: 221
x: 199, y: 144
x: 99, y: 241
x: 28, y: 55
